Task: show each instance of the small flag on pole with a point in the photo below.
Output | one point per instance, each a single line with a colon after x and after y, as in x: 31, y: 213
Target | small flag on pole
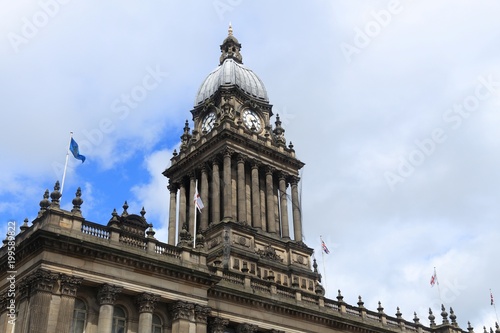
x: 73, y: 147
x: 197, y: 201
x: 434, y: 278
x: 491, y: 298
x: 325, y: 249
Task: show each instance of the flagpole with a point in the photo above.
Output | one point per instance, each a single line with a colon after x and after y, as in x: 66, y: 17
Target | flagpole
x: 437, y: 282
x: 194, y: 202
x: 66, y: 164
x: 323, y: 261
x: 494, y: 305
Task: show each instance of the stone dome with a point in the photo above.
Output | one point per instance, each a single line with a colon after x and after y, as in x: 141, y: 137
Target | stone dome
x: 231, y: 73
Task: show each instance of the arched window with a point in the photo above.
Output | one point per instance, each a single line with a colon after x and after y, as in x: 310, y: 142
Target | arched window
x: 79, y: 317
x: 157, y: 326
x: 119, y: 320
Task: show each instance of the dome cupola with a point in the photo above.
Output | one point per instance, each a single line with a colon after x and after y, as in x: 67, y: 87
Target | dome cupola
x: 232, y: 72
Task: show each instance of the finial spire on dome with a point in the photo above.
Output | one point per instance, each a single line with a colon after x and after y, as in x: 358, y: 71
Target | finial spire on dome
x: 230, y: 48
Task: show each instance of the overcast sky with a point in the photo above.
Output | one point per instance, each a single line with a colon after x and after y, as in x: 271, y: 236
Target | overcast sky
x: 392, y: 105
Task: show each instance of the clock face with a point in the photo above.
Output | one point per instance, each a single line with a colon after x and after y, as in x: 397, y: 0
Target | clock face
x: 208, y: 122
x: 252, y: 120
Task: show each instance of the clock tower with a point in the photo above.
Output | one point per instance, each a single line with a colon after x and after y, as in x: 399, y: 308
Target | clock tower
x: 236, y: 159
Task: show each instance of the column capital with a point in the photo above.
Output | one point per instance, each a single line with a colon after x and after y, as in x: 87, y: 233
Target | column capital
x: 204, y: 168
x: 147, y: 302
x: 42, y: 280
x: 201, y: 313
x: 214, y: 161
x: 246, y: 328
x: 227, y: 152
x: 294, y: 180
x: 182, y: 310
x: 282, y: 175
x: 240, y: 158
x: 69, y: 284
x: 218, y: 325
x: 173, y: 187
x: 255, y: 164
x: 107, y: 294
x: 269, y: 170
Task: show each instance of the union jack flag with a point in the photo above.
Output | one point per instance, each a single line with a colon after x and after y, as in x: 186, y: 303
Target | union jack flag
x: 325, y: 249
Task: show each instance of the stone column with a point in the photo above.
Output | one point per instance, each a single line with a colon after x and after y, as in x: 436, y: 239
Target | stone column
x: 22, y: 304
x: 172, y: 218
x: 256, y: 220
x: 201, y: 314
x: 218, y: 325
x: 215, y: 192
x: 204, y: 198
x: 297, y: 224
x: 182, y: 313
x: 42, y: 284
x: 182, y: 206
x: 146, y: 303
x: 283, y: 207
x: 228, y: 200
x: 69, y: 286
x: 106, y: 298
x: 271, y: 222
x: 191, y: 209
x: 242, y: 200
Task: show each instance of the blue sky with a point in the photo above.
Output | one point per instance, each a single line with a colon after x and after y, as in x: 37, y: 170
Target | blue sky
x: 392, y: 105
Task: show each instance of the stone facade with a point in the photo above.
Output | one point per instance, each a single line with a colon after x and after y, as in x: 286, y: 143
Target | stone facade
x: 238, y: 265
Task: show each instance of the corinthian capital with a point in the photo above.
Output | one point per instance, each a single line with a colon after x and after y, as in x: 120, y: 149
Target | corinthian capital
x: 107, y: 294
x: 182, y: 310
x: 69, y: 284
x: 201, y: 313
x: 147, y: 302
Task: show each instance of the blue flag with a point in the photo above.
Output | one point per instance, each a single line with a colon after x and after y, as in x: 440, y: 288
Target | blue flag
x: 73, y: 147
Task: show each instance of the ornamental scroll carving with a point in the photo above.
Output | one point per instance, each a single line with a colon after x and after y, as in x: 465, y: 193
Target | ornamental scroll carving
x: 269, y: 253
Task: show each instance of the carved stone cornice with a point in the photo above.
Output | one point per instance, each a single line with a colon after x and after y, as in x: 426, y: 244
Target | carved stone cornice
x: 246, y: 328
x: 107, y: 294
x: 69, y: 284
x: 147, y: 302
x: 42, y: 280
x: 218, y: 325
x: 182, y: 310
x: 201, y: 313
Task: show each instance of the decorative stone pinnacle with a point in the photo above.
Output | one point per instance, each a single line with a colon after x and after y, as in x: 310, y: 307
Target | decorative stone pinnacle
x: 125, y: 207
x: 77, y: 202
x: 230, y: 30
x: 56, y: 194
